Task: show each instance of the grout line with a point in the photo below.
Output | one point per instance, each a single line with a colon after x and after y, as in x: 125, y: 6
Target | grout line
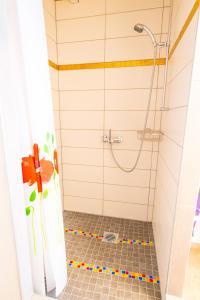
x: 173, y: 141
x: 107, y: 183
x: 111, y: 14
x: 108, y: 89
x: 109, y: 38
x: 101, y: 166
x: 110, y: 110
x: 100, y: 129
x: 144, y: 35
x: 160, y: 127
x: 110, y: 184
x: 108, y: 200
x: 106, y: 149
x: 179, y: 72
x: 104, y: 103
x: 172, y: 108
x: 168, y: 168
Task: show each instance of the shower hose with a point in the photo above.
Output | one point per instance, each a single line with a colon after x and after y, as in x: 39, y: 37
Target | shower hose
x: 145, y: 122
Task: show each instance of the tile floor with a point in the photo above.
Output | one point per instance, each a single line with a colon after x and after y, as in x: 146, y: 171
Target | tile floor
x: 136, y: 258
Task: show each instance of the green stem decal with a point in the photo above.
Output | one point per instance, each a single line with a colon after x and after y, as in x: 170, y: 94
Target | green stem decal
x: 31, y: 210
x: 41, y: 221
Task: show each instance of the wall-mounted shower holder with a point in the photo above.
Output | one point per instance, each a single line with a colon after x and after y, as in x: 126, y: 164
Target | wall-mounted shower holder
x: 112, y: 140
x: 150, y: 135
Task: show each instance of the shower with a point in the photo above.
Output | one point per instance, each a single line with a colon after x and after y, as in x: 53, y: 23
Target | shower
x: 138, y: 28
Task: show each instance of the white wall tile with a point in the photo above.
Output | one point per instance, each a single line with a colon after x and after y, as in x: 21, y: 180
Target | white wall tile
x: 181, y: 58
x: 81, y: 80
x: 151, y: 197
x: 129, y: 78
x: 129, y: 48
x: 81, y: 39
x: 55, y: 98
x: 178, y: 89
x: 121, y: 25
x: 130, y: 141
x: 52, y: 49
x: 83, y: 205
x: 57, y: 119
x: 171, y: 153
x: 83, y: 189
x: 82, y: 100
x: 83, y: 173
x: 58, y: 138
x: 50, y: 26
x: 81, y: 119
x: 166, y: 18
x: 81, y: 52
x: 114, y: 6
x: 82, y: 138
x: 167, y: 2
x: 53, y: 78
x: 138, y: 178
x: 82, y: 156
x: 133, y: 99
x: 126, y: 194
x: 49, y: 6
x: 127, y: 158
x: 150, y: 213
x: 173, y: 124
x: 66, y: 10
x: 153, y: 179
x: 125, y: 210
x: 82, y: 29
x: 127, y: 120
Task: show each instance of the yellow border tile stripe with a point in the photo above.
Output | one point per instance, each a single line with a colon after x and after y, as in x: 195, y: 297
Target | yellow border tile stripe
x: 185, y: 26
x: 53, y: 65
x: 111, y: 64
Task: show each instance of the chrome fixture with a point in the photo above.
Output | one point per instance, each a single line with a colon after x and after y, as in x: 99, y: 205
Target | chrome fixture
x: 141, y: 27
x: 146, y: 133
x: 150, y: 135
x: 110, y: 140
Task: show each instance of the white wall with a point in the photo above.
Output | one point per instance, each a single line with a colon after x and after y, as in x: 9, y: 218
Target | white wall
x: 169, y: 191
x: 92, y: 101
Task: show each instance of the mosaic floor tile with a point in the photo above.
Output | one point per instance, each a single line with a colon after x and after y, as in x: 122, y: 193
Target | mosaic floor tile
x: 135, y: 258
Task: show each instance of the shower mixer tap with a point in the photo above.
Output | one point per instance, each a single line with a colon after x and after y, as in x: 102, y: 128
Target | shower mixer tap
x: 110, y: 140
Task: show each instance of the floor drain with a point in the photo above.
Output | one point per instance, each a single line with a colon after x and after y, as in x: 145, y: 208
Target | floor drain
x: 110, y: 237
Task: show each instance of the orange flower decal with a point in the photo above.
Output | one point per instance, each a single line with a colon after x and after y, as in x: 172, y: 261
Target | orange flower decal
x: 55, y: 158
x: 35, y: 170
x: 46, y: 170
x: 28, y: 170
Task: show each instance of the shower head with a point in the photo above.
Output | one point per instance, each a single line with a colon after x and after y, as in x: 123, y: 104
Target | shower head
x: 141, y: 27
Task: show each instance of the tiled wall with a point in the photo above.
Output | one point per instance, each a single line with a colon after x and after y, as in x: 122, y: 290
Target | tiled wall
x: 171, y: 148
x: 92, y: 101
x: 51, y: 36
